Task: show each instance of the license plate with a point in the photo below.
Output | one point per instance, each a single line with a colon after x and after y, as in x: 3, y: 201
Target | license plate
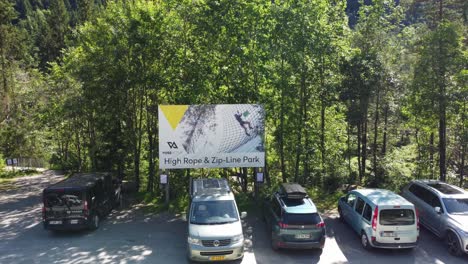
x: 73, y: 222
x: 388, y: 234
x: 217, y: 258
x: 302, y: 236
x: 55, y: 222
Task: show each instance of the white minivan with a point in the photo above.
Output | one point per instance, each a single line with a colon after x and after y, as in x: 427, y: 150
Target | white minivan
x: 382, y: 218
x: 214, y: 224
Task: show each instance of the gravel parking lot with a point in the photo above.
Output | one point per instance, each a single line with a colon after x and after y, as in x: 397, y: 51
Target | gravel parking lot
x: 132, y: 236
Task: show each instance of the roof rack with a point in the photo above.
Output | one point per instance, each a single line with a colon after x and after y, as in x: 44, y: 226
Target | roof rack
x: 292, y: 191
x: 209, y: 186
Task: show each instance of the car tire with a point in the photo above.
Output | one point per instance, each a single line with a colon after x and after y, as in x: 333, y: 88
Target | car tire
x: 94, y: 222
x: 365, y: 241
x: 274, y: 245
x: 453, y: 244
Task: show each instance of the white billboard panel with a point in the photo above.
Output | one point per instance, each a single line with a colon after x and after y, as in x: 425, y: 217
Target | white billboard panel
x: 211, y: 136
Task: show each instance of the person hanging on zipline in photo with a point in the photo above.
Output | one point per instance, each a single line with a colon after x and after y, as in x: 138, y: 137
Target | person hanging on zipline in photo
x: 243, y: 123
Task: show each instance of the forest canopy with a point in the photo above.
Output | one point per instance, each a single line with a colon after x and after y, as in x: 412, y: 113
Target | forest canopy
x: 365, y: 92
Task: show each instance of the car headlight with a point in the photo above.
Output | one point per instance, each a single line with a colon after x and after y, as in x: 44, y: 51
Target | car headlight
x: 237, y: 238
x: 194, y: 241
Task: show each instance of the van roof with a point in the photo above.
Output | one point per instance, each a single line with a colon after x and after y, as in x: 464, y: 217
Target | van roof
x: 79, y: 180
x: 210, y: 189
x: 383, y: 197
x: 209, y: 186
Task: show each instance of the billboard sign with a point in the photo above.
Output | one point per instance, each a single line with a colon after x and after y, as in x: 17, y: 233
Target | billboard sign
x: 211, y: 136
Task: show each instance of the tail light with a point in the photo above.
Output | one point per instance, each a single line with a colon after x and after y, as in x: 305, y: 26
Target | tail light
x: 85, y: 208
x: 321, y: 224
x: 374, y: 218
x: 43, y: 208
x: 417, y: 219
x: 283, y: 225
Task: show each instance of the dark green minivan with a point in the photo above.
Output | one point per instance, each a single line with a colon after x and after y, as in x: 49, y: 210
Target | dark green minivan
x: 293, y: 220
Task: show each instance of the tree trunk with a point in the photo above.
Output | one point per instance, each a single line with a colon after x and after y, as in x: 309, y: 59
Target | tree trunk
x: 431, y: 154
x: 322, y: 113
x: 300, y: 125
x: 376, y: 131
x: 149, y: 129
x: 78, y: 148
x: 442, y: 134
x: 359, y: 129
x: 322, y: 133
x: 463, y: 145
x: 384, y: 144
x: 364, y: 145
x: 281, y: 139
x: 5, y: 100
x: 418, y: 145
x: 92, y: 141
x: 442, y: 107
x: 138, y: 133
x: 245, y: 182
x: 348, y: 142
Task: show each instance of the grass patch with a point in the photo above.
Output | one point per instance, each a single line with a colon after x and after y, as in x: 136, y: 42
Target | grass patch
x: 15, y: 174
x: 324, y: 201
x: 156, y: 204
x: 7, y: 178
x: 245, y: 203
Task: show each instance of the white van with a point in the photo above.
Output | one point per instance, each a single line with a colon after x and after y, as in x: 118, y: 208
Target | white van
x: 214, y: 224
x: 382, y: 218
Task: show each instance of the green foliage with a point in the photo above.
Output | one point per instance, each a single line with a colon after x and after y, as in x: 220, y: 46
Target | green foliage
x: 80, y: 86
x: 2, y: 163
x: 17, y: 173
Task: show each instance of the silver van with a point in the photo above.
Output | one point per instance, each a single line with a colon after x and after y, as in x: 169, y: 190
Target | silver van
x: 214, y: 224
x: 443, y: 210
x: 382, y: 218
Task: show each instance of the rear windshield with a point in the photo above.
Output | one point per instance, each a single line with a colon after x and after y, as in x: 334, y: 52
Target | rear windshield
x: 63, y: 198
x: 301, y: 219
x: 456, y: 206
x: 396, y: 217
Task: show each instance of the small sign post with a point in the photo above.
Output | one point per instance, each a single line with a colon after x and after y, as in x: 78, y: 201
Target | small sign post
x: 164, y: 180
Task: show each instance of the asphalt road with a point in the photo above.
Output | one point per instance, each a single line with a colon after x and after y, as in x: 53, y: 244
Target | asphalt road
x: 132, y: 236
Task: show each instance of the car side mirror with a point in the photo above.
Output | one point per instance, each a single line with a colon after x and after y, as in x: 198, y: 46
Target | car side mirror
x: 243, y: 215
x: 437, y: 210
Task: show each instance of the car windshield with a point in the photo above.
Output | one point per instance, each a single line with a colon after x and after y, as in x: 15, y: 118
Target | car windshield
x: 397, y: 217
x: 301, y: 219
x: 63, y: 198
x: 213, y: 212
x: 456, y: 206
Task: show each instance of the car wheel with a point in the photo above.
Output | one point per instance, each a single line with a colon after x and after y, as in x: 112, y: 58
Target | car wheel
x: 453, y: 244
x: 95, y: 222
x: 274, y: 245
x: 340, y: 213
x: 365, y: 241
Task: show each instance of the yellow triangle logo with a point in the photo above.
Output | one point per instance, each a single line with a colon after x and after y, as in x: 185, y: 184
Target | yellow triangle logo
x: 174, y: 113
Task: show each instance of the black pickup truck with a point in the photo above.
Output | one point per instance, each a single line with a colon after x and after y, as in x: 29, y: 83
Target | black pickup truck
x: 80, y: 201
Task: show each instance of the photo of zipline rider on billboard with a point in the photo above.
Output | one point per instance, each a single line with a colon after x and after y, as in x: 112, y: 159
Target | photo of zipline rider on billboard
x: 211, y: 136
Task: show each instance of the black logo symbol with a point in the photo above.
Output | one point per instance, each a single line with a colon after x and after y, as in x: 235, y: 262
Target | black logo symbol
x: 172, y: 145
